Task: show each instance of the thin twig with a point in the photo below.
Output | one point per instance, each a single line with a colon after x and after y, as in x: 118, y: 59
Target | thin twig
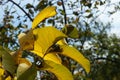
x: 21, y: 9
x: 65, y: 16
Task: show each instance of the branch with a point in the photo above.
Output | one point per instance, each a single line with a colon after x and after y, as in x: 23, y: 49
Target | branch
x: 65, y: 17
x: 22, y: 10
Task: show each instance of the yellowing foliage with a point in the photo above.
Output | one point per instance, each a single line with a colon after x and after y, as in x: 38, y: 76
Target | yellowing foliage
x: 46, y: 37
x: 50, y: 56
x: 62, y: 42
x: 1, y: 73
x: 26, y: 40
x: 9, y: 78
x: 45, y: 13
x: 24, y: 64
x: 76, y: 55
x: 43, y: 41
x: 42, y: 47
x: 61, y: 72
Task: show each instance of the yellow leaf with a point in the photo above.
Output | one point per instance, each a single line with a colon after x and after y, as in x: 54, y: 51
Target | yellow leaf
x: 29, y: 74
x: 50, y: 56
x: 26, y: 40
x: 1, y: 73
x: 8, y: 78
x: 60, y: 71
x: 76, y: 55
x: 24, y: 64
x: 62, y: 42
x: 45, y: 38
x: 1, y: 70
x: 45, y: 13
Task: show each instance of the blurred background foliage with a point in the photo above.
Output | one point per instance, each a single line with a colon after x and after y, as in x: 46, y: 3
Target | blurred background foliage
x: 93, y: 40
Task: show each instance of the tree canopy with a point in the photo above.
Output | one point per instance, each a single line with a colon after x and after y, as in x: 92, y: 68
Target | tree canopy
x: 79, y: 40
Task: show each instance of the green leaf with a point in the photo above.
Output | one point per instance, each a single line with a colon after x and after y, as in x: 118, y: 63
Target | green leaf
x: 2, y: 51
x: 89, y: 16
x: 29, y: 74
x: 45, y: 13
x: 8, y: 62
x: 29, y: 6
x: 88, y: 11
x: 45, y: 38
x: 71, y: 31
x: 76, y: 55
x: 60, y: 71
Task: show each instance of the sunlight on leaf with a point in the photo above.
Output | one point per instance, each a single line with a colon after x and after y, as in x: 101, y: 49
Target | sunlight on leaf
x: 26, y: 40
x: 45, y: 38
x: 24, y: 64
x: 50, y: 56
x: 62, y: 42
x: 45, y: 13
x: 29, y: 74
x: 2, y: 74
x: 1, y: 71
x: 77, y: 56
x: 9, y: 78
x: 60, y: 71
